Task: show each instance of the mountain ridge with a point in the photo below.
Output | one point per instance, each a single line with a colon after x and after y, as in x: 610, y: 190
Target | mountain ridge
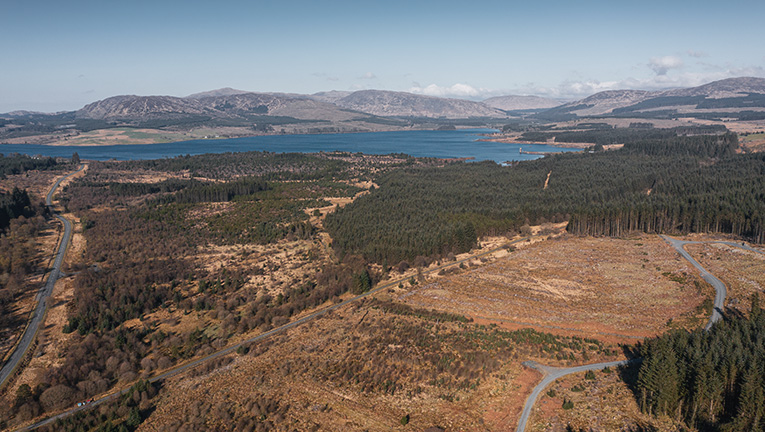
x: 396, y: 104
x: 720, y: 94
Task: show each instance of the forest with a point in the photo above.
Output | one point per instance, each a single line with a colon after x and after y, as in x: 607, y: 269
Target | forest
x: 18, y: 164
x: 712, y: 380
x: 599, y: 133
x: 13, y: 205
x: 674, y: 185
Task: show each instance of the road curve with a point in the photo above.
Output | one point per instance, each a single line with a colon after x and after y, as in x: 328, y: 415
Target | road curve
x: 552, y: 373
x: 192, y: 364
x: 721, y: 291
x: 43, y: 293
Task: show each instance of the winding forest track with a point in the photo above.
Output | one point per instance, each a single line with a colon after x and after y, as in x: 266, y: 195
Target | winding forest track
x: 38, y: 314
x: 194, y: 363
x: 551, y: 374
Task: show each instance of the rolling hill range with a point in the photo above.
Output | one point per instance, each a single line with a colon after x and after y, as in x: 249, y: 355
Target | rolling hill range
x: 229, y: 103
x: 230, y: 112
x: 401, y: 104
x: 243, y: 106
x: 733, y: 98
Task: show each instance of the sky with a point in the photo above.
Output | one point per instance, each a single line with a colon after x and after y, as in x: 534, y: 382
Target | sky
x: 61, y: 55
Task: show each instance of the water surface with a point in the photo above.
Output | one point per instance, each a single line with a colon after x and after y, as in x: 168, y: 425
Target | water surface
x: 442, y: 144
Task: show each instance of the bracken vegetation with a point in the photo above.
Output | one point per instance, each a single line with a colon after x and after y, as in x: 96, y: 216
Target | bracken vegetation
x: 142, y: 245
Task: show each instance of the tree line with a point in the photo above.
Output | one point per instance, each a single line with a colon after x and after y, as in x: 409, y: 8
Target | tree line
x: 16, y: 163
x: 605, y: 136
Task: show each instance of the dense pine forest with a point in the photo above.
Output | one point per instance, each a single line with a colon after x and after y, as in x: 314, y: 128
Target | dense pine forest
x: 604, y: 134
x: 13, y: 205
x: 673, y: 185
x: 711, y: 380
x: 17, y: 164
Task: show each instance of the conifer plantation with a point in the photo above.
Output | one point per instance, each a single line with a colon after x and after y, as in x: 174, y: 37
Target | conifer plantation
x: 671, y: 185
x: 712, y: 380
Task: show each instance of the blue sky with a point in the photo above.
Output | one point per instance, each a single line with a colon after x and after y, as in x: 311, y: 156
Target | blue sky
x: 61, y: 55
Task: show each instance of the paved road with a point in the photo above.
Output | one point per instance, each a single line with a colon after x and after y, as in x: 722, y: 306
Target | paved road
x: 551, y: 373
x: 720, y: 290
x: 190, y: 365
x: 43, y: 293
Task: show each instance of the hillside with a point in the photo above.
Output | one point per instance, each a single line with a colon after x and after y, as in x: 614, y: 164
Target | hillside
x: 738, y: 98
x: 401, y: 104
x: 332, y: 106
x: 514, y: 102
x: 226, y: 91
x: 230, y: 106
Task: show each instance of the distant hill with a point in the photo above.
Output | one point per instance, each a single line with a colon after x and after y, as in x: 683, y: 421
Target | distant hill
x: 226, y: 91
x: 742, y: 98
x: 329, y: 106
x: 228, y: 106
x: 330, y: 96
x: 130, y: 107
x: 243, y: 113
x: 517, y: 103
x: 731, y: 87
x: 401, y: 104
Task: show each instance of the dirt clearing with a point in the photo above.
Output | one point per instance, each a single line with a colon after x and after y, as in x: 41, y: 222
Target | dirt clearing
x: 627, y: 288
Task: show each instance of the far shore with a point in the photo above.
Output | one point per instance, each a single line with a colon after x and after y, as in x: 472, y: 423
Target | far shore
x: 143, y: 136
x: 508, y: 140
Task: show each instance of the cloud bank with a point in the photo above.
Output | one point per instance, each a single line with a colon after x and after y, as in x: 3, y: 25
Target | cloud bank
x: 459, y: 90
x: 662, y: 65
x: 574, y: 89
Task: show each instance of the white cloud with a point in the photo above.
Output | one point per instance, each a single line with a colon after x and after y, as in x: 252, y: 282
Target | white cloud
x: 570, y: 89
x: 579, y: 89
x: 574, y: 89
x: 459, y: 90
x: 662, y: 65
x: 368, y: 75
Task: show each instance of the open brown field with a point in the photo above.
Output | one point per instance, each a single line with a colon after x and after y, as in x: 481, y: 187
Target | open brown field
x: 365, y: 367
x: 754, y: 142
x: 605, y: 288
x: 742, y: 271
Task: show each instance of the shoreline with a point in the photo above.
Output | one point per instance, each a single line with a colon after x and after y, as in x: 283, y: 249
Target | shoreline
x: 166, y: 137
x: 506, y: 140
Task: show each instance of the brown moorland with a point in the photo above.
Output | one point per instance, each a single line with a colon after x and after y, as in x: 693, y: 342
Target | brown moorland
x: 367, y: 367
x: 616, y: 289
